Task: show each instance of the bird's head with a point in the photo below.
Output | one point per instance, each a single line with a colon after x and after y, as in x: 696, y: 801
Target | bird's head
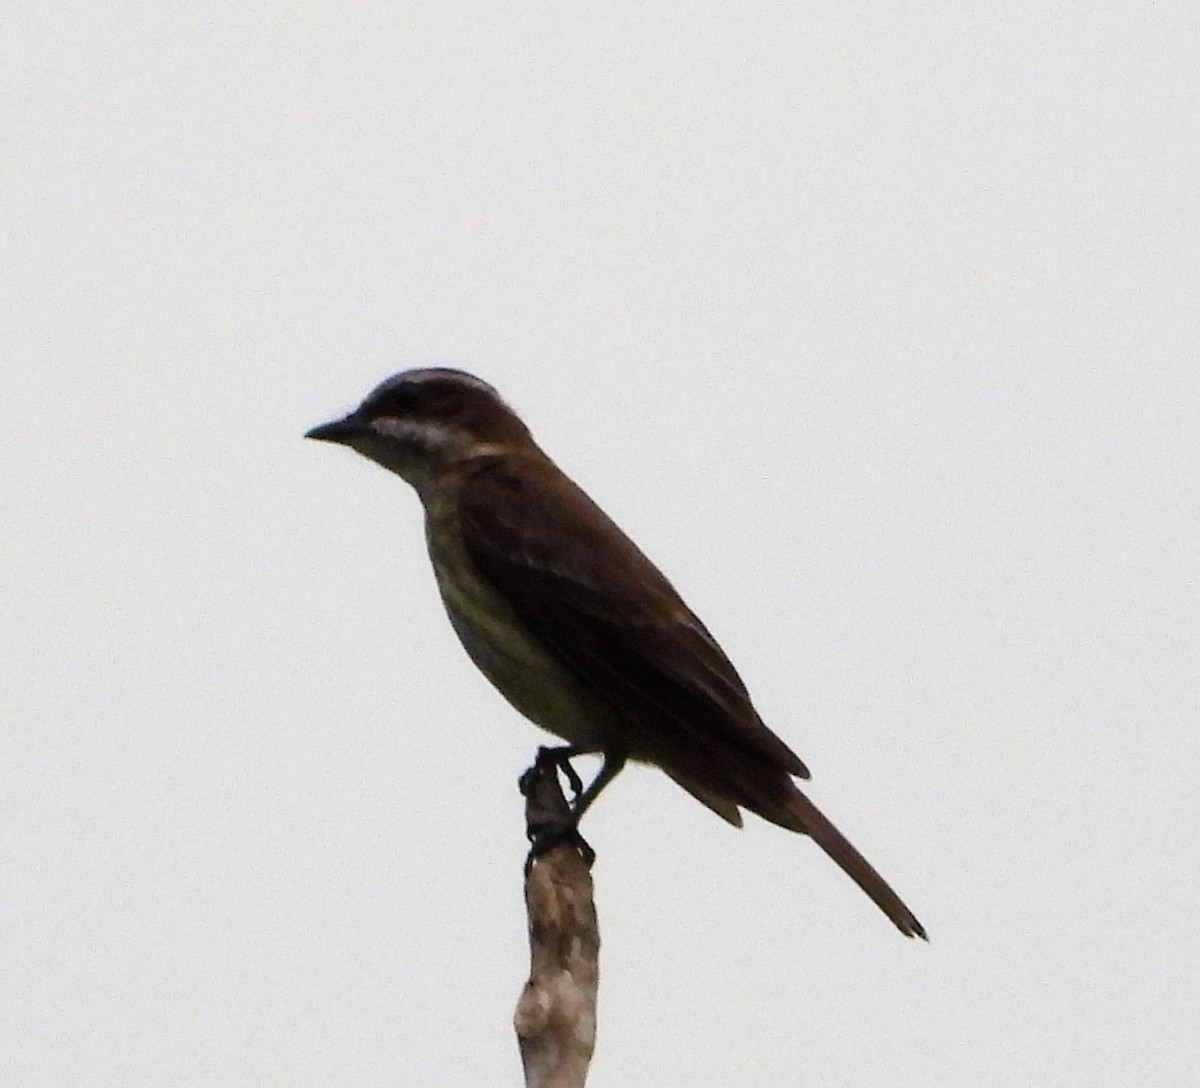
x: 420, y: 421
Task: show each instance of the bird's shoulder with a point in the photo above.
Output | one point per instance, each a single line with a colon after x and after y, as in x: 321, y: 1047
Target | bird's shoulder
x: 522, y: 512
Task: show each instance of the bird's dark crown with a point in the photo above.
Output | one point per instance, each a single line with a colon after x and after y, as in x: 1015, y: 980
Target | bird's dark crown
x: 443, y: 397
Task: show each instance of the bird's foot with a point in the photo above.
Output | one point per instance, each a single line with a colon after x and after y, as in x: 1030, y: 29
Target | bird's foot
x: 558, y: 833
x: 560, y: 758
x: 549, y: 820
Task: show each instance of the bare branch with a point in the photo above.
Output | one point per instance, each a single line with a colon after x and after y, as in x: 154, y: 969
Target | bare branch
x: 555, y: 1018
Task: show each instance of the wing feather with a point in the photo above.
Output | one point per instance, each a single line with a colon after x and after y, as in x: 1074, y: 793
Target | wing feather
x: 607, y: 614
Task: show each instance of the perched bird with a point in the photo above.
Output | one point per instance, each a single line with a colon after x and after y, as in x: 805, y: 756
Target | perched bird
x: 574, y: 626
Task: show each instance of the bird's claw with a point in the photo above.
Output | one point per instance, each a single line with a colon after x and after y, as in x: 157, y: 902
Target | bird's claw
x: 554, y: 833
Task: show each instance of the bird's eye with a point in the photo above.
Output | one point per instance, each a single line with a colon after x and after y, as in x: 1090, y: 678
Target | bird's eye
x: 400, y: 400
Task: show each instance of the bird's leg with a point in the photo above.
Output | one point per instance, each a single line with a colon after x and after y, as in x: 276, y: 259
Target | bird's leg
x: 561, y: 758
x: 557, y: 828
x: 549, y: 818
x: 609, y: 769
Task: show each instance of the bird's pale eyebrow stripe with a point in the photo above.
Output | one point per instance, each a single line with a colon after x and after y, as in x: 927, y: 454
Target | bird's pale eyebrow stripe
x: 434, y: 436
x: 427, y: 435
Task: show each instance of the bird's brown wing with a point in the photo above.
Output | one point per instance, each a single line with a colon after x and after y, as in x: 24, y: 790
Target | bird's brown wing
x: 608, y: 615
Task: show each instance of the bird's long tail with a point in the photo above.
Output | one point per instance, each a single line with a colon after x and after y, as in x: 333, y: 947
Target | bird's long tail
x: 817, y: 826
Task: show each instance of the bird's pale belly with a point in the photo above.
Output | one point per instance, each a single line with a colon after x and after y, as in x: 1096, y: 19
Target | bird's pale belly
x: 525, y: 674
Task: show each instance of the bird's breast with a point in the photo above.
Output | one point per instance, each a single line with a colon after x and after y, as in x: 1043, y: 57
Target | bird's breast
x: 517, y: 665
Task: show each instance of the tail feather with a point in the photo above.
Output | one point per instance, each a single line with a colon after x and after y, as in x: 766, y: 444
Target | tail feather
x: 818, y: 827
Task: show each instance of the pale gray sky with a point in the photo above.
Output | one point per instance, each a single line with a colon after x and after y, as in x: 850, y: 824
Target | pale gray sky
x: 875, y: 326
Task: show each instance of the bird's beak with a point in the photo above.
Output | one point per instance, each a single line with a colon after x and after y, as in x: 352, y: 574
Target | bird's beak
x: 337, y: 430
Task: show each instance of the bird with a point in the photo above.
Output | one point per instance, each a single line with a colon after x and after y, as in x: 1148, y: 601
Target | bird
x: 571, y: 622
